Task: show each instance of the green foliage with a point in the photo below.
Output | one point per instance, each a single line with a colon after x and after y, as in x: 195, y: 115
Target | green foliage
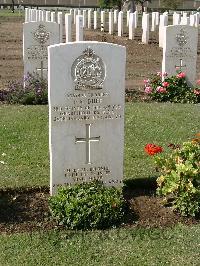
x: 35, y: 91
x: 88, y: 205
x: 180, y: 179
x: 169, y: 4
x: 105, y: 3
x: 111, y: 3
x: 173, y: 89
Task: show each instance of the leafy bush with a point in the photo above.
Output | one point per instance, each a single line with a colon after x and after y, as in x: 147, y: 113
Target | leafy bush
x: 180, y: 179
x: 88, y: 205
x: 162, y: 88
x: 32, y: 90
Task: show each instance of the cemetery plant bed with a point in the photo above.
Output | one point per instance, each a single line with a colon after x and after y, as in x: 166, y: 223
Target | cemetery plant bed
x: 26, y: 210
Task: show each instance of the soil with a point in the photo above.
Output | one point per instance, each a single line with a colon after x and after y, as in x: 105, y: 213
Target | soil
x: 25, y: 210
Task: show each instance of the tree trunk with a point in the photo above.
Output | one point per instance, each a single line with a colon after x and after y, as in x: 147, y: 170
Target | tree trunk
x: 132, y: 6
x: 142, y: 4
x: 13, y: 6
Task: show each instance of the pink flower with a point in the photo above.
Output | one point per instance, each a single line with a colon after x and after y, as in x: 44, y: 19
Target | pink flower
x: 164, y: 74
x: 165, y: 84
x: 148, y: 90
x: 198, y: 82
x: 159, y: 74
x: 197, y: 92
x: 181, y: 75
x: 161, y: 89
x: 146, y: 81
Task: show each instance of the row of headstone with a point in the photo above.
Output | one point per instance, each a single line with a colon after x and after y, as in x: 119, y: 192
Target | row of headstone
x: 86, y: 92
x: 86, y: 102
x: 41, y: 31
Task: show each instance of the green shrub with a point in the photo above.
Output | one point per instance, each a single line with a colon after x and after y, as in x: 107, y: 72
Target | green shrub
x: 87, y: 206
x: 175, y: 89
x: 35, y: 91
x: 180, y: 179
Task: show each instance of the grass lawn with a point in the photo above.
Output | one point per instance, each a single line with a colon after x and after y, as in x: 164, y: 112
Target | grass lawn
x: 9, y: 13
x: 177, y: 246
x: 24, y: 159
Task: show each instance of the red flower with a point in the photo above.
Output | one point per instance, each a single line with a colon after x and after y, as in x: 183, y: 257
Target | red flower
x: 153, y: 149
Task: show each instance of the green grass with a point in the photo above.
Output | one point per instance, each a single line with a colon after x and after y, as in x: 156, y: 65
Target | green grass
x: 175, y: 246
x: 9, y: 13
x: 24, y: 139
x: 24, y: 162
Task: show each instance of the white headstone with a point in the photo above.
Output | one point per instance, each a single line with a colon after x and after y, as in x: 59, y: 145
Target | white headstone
x: 84, y: 18
x: 185, y: 20
x: 120, y: 23
x: 68, y: 27
x: 197, y: 19
x: 95, y: 20
x: 136, y: 18
x: 53, y: 16
x: 27, y: 18
x: 131, y: 26
x: 60, y: 22
x: 176, y: 19
x: 115, y: 16
x: 48, y: 16
x: 86, y: 107
x: 145, y: 28
x: 103, y: 21
x: 33, y: 15
x: 36, y: 37
x: 89, y: 19
x: 192, y: 20
x: 79, y: 28
x: 153, y: 21
x: 180, y: 51
x: 75, y: 14
x: 43, y: 15
x: 127, y: 17
x: 163, y: 23
x: 37, y: 15
x: 157, y: 18
x: 111, y: 22
x: 40, y: 16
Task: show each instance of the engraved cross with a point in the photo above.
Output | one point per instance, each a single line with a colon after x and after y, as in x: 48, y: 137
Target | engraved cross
x: 41, y: 69
x: 181, y: 65
x: 87, y: 140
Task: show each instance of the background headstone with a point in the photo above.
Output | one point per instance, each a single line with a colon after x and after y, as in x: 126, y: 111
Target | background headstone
x: 36, y: 37
x: 131, y: 26
x: 79, y: 28
x: 180, y: 51
x: 68, y: 28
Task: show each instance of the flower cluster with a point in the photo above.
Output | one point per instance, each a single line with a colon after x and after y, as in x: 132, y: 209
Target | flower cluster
x: 162, y: 88
x: 31, y: 90
x: 179, y: 180
x: 153, y: 149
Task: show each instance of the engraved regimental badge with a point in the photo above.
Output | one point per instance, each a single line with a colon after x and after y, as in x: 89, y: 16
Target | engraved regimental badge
x: 182, y: 38
x: 41, y: 35
x: 88, y: 71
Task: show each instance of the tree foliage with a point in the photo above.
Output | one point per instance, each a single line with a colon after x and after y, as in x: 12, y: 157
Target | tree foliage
x: 169, y: 4
x: 119, y: 3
